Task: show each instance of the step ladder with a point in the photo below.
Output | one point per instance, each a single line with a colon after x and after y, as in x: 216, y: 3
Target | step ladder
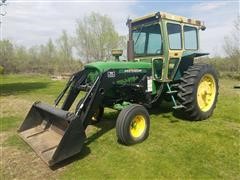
x: 171, y: 93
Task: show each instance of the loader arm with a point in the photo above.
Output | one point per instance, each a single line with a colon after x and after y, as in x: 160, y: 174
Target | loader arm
x: 56, y: 134
x: 74, y: 90
x: 94, y: 98
x: 71, y: 80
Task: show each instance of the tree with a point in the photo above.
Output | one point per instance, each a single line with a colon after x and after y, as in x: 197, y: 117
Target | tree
x: 65, y: 46
x: 96, y: 37
x: 21, y: 59
x: 7, y: 55
x: 231, y: 46
x: 50, y: 50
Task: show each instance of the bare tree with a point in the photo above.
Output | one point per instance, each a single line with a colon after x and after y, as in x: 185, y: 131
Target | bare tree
x: 232, y: 46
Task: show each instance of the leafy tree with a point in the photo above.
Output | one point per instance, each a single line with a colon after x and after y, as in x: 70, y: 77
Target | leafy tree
x: 96, y: 37
x: 21, y: 59
x: 65, y: 45
x: 48, y: 51
x: 6, y: 55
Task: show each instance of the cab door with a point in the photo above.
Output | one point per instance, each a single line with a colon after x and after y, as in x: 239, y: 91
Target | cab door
x: 175, y: 50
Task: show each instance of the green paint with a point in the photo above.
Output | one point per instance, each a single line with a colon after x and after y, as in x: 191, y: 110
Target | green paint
x: 106, y: 65
x: 120, y: 107
x: 154, y: 86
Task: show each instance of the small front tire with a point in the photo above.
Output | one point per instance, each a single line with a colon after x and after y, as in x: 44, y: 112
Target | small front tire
x: 133, y: 124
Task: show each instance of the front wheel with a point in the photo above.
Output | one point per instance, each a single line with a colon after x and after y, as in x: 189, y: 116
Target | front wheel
x: 198, y: 91
x: 133, y: 124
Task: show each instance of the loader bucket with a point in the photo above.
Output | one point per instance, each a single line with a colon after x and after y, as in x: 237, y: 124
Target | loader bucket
x: 54, y: 134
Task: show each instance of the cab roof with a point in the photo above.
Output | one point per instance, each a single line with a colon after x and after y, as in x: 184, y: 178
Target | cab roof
x: 169, y: 16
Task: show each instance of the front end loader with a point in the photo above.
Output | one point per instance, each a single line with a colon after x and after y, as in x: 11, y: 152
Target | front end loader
x: 161, y: 51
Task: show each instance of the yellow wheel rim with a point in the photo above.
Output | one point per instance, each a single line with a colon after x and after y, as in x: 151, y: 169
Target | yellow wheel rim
x: 206, y: 92
x: 137, y: 126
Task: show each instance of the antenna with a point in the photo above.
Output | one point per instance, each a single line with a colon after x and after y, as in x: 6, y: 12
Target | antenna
x: 3, y: 12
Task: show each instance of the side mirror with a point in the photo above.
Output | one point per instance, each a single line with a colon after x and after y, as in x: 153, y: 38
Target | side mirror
x: 117, y: 53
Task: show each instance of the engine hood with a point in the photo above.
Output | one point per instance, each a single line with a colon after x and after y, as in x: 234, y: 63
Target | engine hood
x: 103, y: 66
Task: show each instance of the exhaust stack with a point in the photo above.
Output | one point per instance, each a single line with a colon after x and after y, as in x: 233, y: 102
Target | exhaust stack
x: 130, y: 43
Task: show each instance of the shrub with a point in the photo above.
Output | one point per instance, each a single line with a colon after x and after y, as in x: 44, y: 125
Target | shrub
x: 1, y: 70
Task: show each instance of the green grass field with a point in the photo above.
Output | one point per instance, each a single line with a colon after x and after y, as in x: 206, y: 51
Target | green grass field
x: 176, y: 148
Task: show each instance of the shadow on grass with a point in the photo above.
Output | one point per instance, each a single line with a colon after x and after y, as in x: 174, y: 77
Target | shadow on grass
x: 165, y: 109
x: 108, y: 123
x: 16, y: 88
x: 84, y: 152
x: 161, y: 108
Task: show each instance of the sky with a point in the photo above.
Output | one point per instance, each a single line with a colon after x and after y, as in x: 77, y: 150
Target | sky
x: 30, y: 23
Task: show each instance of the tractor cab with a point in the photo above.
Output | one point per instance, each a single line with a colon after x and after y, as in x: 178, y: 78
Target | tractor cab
x: 164, y: 39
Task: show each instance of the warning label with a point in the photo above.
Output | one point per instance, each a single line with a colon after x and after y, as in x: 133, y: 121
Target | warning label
x: 149, y: 84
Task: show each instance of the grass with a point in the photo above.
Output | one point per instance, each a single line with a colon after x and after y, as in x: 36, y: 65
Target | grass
x: 176, y: 148
x: 9, y: 122
x: 15, y: 141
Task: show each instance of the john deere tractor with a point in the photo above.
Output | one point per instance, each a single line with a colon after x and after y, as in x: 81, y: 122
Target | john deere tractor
x: 161, y: 50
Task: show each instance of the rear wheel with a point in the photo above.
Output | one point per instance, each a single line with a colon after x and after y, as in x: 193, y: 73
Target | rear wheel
x: 198, y: 92
x: 97, y: 115
x: 133, y: 124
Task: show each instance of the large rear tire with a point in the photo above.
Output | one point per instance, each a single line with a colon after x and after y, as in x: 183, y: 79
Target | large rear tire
x: 133, y: 124
x: 198, y: 92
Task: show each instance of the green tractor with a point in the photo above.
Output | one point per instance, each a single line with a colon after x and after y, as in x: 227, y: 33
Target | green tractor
x: 160, y: 65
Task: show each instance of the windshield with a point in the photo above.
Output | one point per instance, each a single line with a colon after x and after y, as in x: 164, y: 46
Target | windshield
x: 147, y: 40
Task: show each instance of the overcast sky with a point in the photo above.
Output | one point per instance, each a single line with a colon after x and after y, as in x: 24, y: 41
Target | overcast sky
x: 31, y: 22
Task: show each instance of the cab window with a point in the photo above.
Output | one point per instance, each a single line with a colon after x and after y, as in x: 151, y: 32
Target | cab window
x: 154, y: 45
x: 174, y: 36
x: 147, y: 40
x: 140, y: 39
x: 190, y: 37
